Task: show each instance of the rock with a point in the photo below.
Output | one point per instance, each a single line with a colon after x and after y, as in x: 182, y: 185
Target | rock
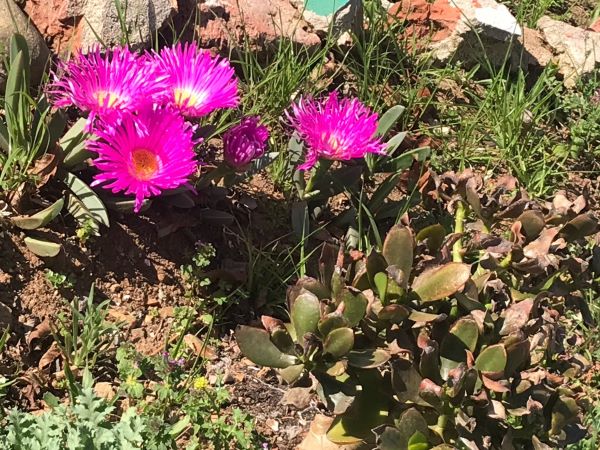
x: 72, y: 25
x: 576, y: 51
x: 104, y: 390
x: 536, y: 55
x: 457, y: 29
x: 595, y: 26
x: 262, y: 23
x: 299, y: 397
x: 38, y: 50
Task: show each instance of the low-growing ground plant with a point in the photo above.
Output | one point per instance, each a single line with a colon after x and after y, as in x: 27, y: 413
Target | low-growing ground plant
x: 445, y: 336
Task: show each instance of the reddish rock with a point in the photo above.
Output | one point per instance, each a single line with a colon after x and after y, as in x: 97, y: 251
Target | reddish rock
x: 458, y: 29
x: 261, y: 22
x: 595, y: 26
x: 71, y: 25
x: 439, y: 19
x: 57, y: 22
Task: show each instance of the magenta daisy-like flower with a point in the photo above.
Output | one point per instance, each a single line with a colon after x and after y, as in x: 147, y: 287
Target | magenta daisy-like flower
x: 144, y: 160
x: 198, y: 83
x: 245, y: 142
x: 106, y: 83
x: 335, y: 129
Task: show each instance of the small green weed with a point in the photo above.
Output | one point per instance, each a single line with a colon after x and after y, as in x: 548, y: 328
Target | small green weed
x: 178, y: 383
x: 85, y: 337
x: 88, y: 422
x: 59, y: 280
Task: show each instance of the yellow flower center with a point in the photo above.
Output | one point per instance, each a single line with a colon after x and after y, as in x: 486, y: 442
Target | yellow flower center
x: 106, y: 98
x: 187, y: 97
x: 145, y: 164
x: 333, y: 141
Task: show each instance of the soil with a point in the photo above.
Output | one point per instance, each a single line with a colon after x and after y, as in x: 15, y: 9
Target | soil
x: 136, y: 265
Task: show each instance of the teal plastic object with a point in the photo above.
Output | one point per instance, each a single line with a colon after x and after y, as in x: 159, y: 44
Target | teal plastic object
x: 324, y: 7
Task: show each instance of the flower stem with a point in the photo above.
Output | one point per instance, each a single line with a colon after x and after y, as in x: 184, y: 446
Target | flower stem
x: 311, y: 179
x: 459, y: 227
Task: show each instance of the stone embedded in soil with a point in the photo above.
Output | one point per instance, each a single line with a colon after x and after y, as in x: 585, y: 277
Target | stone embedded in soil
x: 468, y: 30
x: 262, y: 23
x: 72, y: 25
x: 458, y: 29
x: 227, y: 23
x: 12, y: 19
x: 575, y: 51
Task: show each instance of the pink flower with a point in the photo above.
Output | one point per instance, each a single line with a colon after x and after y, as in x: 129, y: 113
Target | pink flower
x: 104, y: 84
x: 144, y: 160
x: 198, y: 83
x: 245, y: 142
x: 335, y: 129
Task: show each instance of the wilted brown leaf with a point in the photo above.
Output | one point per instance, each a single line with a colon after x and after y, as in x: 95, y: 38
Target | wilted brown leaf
x: 48, y: 358
x: 199, y: 347
x: 39, y: 333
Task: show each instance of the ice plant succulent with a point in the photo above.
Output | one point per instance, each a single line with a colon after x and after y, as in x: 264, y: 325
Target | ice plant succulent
x: 245, y: 142
x: 144, y: 160
x: 335, y: 129
x: 103, y: 84
x: 198, y: 83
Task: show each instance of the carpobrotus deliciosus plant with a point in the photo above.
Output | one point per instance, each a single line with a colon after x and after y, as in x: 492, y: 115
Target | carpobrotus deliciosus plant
x: 449, y: 338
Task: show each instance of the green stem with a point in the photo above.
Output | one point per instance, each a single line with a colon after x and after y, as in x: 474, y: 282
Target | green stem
x: 311, y: 180
x: 506, y: 261
x: 459, y: 227
x: 321, y: 167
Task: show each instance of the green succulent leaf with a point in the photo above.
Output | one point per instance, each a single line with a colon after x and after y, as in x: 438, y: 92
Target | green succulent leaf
x: 369, y: 410
x: 88, y: 197
x: 339, y: 342
x: 388, y: 119
x: 40, y: 218
x: 42, y: 248
x: 256, y: 345
x: 126, y: 205
x: 564, y: 412
x: 381, y: 283
x: 492, y: 360
x: 355, y: 306
x: 398, y: 250
x: 441, y: 282
x: 305, y: 314
x: 369, y: 358
x: 580, y: 227
x: 375, y: 264
x: 533, y: 223
x: 434, y: 234
x: 410, y: 433
x: 315, y: 286
x: 331, y: 322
